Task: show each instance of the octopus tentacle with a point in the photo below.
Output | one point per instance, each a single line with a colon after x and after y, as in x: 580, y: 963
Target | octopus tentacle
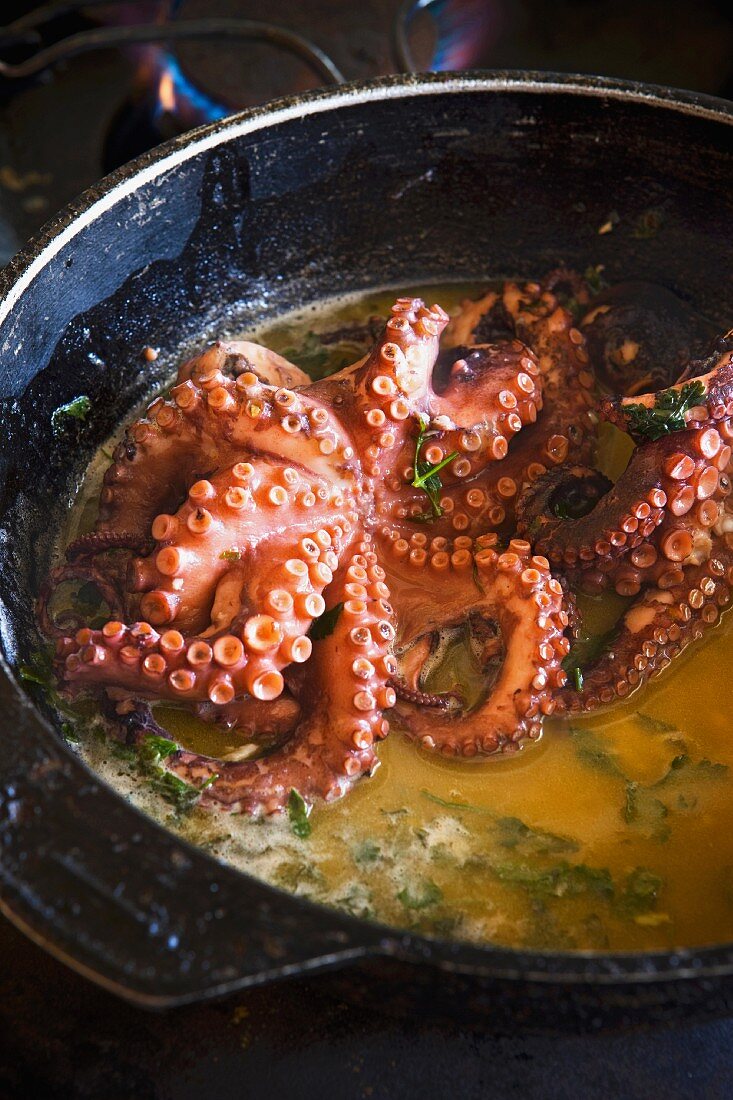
x: 247, y: 652
x: 492, y: 391
x: 235, y: 357
x: 381, y: 396
x: 520, y: 594
x: 107, y: 582
x: 333, y: 745
x: 658, y: 626
x: 566, y: 430
x: 657, y: 512
x: 98, y: 542
x: 195, y: 576
x: 211, y: 422
x: 714, y: 405
x: 406, y: 682
x: 641, y: 335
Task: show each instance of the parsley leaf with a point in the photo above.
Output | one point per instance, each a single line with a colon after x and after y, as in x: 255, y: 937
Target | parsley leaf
x: 155, y: 748
x: 421, y: 896
x: 516, y: 835
x: 298, y: 812
x: 230, y: 555
x: 427, y: 474
x: 562, y: 880
x: 40, y: 671
x: 77, y: 409
x: 325, y: 624
x: 448, y: 805
x: 666, y: 415
x: 682, y: 767
x: 653, y: 725
x: 181, y: 795
x: 367, y: 852
x: 640, y: 892
x: 591, y: 750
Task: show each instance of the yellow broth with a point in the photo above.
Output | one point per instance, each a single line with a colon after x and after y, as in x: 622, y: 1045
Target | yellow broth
x: 613, y: 832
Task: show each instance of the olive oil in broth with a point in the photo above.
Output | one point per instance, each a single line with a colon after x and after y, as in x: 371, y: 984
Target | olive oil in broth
x: 614, y: 831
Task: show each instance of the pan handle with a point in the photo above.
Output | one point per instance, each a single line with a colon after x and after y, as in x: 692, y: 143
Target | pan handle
x: 126, y: 903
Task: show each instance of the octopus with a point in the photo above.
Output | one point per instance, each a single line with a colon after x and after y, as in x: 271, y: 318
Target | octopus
x: 282, y: 556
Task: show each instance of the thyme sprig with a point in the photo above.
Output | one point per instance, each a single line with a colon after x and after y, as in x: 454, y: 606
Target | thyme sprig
x: 427, y: 474
x: 667, y: 414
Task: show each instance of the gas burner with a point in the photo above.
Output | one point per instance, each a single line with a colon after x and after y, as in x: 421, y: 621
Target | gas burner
x: 87, y: 84
x: 675, y: 42
x: 165, y: 101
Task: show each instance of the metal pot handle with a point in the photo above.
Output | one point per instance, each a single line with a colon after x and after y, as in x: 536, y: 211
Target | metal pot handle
x: 126, y: 903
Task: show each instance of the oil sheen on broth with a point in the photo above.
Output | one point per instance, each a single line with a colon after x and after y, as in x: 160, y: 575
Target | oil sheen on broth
x: 613, y: 832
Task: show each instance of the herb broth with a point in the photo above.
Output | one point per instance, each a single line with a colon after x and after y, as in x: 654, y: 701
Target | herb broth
x: 612, y: 832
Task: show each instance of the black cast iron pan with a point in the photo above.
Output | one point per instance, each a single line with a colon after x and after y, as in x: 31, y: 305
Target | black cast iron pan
x: 398, y: 182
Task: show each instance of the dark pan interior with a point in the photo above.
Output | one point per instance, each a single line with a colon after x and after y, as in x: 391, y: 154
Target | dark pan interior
x: 414, y: 181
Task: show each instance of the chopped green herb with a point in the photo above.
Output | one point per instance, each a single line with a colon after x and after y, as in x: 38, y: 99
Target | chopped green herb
x: 578, y: 678
x: 35, y: 673
x: 325, y: 625
x: 646, y: 812
x: 653, y: 725
x: 298, y: 812
x: 40, y: 671
x: 395, y: 813
x: 516, y: 835
x: 420, y: 896
x: 586, y: 650
x: 477, y: 580
x: 427, y: 473
x: 367, y: 852
x: 230, y: 555
x: 310, y: 355
x: 155, y: 748
x: 358, y: 901
x: 591, y: 750
x: 666, y: 415
x: 682, y: 767
x: 69, y: 733
x: 640, y: 893
x: 181, y: 795
x: 77, y: 409
x: 451, y: 805
x: 563, y: 880
x: 121, y: 751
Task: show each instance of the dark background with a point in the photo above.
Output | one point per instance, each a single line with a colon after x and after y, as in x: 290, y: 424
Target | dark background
x: 60, y: 1036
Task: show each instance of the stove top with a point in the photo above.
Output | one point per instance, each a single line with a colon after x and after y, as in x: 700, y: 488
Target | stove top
x: 59, y: 132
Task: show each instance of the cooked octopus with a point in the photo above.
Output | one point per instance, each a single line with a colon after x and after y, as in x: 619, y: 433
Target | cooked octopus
x: 280, y: 554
